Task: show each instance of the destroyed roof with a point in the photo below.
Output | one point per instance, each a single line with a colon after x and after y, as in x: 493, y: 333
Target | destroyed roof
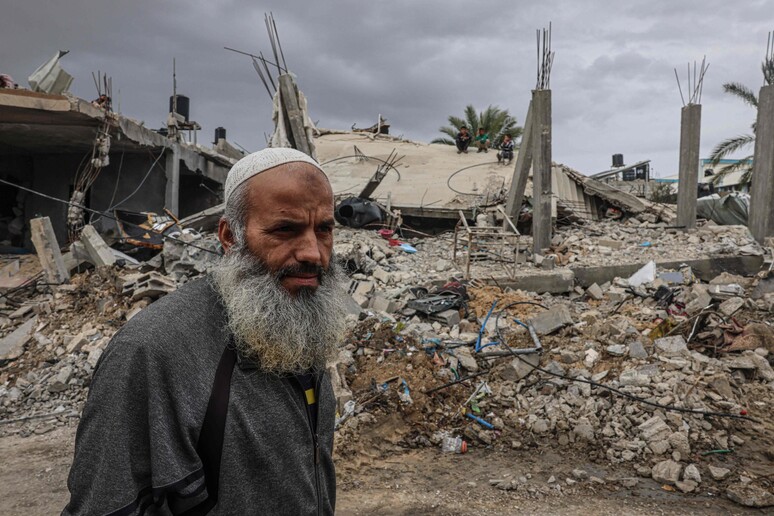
x: 32, y: 122
x: 432, y: 180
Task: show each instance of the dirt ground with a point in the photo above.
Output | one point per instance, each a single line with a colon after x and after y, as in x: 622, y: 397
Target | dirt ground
x: 34, y: 474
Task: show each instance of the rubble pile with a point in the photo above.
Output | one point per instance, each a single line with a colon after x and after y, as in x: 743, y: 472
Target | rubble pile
x: 614, y: 243
x: 659, y: 374
x: 686, y: 350
x: 51, y: 337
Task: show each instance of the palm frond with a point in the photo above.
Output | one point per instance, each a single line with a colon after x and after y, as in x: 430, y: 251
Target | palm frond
x: 445, y: 141
x: 451, y: 132
x: 741, y: 91
x: 767, y: 67
x: 729, y: 146
x: 472, y: 118
x: 742, y: 164
x: 457, y: 122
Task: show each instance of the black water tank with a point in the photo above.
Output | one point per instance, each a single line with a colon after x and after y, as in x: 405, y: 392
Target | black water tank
x: 220, y: 133
x: 618, y: 160
x: 183, y: 105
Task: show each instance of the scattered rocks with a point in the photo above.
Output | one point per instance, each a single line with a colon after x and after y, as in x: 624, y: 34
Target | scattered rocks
x: 691, y: 472
x: 667, y: 472
x: 671, y: 346
x: 750, y: 495
x: 718, y: 473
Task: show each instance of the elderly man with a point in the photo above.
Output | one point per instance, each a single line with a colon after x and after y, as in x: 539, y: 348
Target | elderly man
x: 214, y: 400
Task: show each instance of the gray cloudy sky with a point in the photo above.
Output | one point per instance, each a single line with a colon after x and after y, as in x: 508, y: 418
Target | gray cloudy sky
x: 414, y: 61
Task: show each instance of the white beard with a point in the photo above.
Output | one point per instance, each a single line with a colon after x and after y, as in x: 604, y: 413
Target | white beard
x: 285, y: 334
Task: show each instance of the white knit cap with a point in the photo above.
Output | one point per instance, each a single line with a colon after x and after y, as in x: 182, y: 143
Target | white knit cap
x: 261, y: 161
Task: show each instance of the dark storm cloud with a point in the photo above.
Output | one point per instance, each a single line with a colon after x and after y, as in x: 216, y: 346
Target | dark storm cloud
x: 414, y: 62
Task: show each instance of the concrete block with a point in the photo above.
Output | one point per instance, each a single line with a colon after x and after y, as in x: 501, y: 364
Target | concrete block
x: 351, y: 305
x: 99, y: 252
x: 551, y: 320
x: 731, y: 305
x: 379, y: 304
x: 12, y: 345
x: 47, y: 248
x: 150, y: 284
x: 448, y: 317
x: 671, y: 346
x: 559, y: 281
x: 595, y: 292
x: 616, y: 294
x: 519, y: 368
x: 381, y: 275
x: 667, y: 472
x: 701, y: 300
x: 466, y: 359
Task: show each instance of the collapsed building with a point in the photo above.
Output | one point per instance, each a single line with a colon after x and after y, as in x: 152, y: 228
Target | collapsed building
x: 641, y: 345
x: 47, y: 139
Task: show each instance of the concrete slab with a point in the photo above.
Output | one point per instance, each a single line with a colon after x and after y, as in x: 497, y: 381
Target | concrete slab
x: 558, y: 281
x: 12, y: 345
x: 705, y: 269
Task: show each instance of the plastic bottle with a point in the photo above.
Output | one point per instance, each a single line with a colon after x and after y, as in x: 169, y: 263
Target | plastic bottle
x: 454, y: 445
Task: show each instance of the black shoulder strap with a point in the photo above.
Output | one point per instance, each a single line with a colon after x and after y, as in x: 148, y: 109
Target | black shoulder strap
x: 210, y: 444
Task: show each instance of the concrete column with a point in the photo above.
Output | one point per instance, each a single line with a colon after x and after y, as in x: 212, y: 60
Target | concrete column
x: 289, y: 96
x: 520, y: 171
x: 541, y: 171
x: 690, y: 136
x: 172, y: 193
x: 47, y: 248
x: 761, y: 221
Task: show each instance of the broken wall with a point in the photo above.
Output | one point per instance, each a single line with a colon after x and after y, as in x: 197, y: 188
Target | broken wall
x: 149, y: 197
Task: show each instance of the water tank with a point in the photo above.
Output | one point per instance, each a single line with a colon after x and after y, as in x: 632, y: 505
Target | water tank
x: 618, y: 160
x: 183, y: 105
x: 220, y: 133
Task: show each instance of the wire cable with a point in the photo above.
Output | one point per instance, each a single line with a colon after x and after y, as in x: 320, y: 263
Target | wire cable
x: 141, y: 182
x: 108, y: 216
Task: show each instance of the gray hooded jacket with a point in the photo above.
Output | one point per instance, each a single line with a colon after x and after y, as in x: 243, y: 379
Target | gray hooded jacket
x: 136, y: 446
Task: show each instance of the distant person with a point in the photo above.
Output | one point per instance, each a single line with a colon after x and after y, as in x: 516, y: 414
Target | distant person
x: 482, y: 140
x: 506, y: 150
x: 6, y: 81
x: 463, y: 140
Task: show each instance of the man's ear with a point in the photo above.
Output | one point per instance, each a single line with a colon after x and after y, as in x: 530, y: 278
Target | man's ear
x: 225, y: 235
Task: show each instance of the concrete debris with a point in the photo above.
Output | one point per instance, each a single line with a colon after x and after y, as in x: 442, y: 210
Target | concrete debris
x: 718, y: 473
x: 691, y: 472
x: 12, y: 345
x: 667, y: 472
x: 150, y: 284
x: 416, y: 326
x: 750, y: 495
x: 671, y: 346
x: 551, y: 320
x: 99, y: 253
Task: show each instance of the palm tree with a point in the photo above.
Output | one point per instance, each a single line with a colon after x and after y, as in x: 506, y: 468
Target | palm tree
x: 742, y: 141
x: 496, y: 121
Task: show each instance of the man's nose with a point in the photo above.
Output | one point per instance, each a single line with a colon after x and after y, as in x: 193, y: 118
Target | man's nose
x: 308, y: 249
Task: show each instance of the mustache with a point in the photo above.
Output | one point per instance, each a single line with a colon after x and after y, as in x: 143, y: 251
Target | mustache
x: 300, y: 268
